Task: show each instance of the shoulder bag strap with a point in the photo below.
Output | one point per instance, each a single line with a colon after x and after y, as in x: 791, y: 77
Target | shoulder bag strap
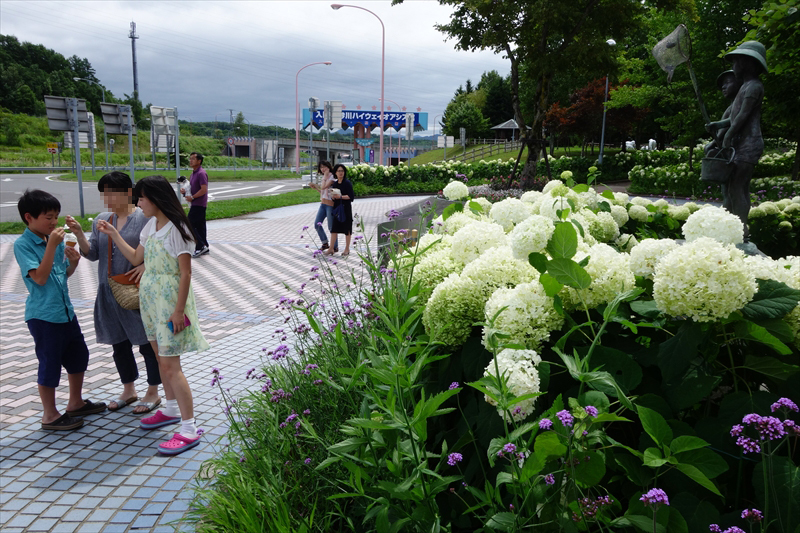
x: 110, y: 245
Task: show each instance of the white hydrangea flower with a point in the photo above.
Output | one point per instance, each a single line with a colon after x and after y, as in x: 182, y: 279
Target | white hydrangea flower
x: 518, y: 367
x: 769, y: 208
x: 661, y: 203
x: 455, y: 305
x: 610, y: 272
x: 456, y: 190
x: 549, y: 206
x: 647, y: 253
x: 431, y: 269
x: 691, y: 206
x: 703, y: 279
x: 531, y: 235
x: 589, y: 199
x: 796, y: 200
x: 497, y: 267
x: 605, y: 228
x: 679, y: 212
x: 621, y: 198
x: 472, y: 240
x: 531, y: 196
x: 756, y: 212
x: 529, y: 316
x: 782, y: 203
x: 639, y: 213
x: 458, y: 220
x: 509, y: 212
x: 583, y: 221
x: 638, y: 200
x: 551, y: 185
x: 620, y: 215
x: 791, y: 208
x: 626, y: 242
x: 714, y: 222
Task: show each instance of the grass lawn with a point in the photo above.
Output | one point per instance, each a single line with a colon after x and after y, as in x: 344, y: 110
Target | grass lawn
x: 437, y: 155
x: 213, y: 175
x: 216, y: 210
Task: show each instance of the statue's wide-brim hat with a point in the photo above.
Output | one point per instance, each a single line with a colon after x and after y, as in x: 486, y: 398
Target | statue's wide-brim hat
x: 721, y: 77
x: 753, y: 49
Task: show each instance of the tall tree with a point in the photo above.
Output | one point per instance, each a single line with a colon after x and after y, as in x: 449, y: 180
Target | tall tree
x: 498, y: 107
x: 466, y: 115
x: 548, y: 37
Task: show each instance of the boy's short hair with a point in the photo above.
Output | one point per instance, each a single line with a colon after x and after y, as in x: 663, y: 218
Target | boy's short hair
x: 35, y: 202
x: 116, y: 181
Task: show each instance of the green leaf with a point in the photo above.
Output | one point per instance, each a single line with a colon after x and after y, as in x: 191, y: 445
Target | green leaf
x: 608, y: 193
x: 685, y: 443
x: 640, y: 521
x: 591, y: 469
x: 581, y: 187
x: 784, y: 486
x: 569, y: 273
x: 538, y: 261
x: 704, y: 459
x: 675, y: 354
x: 548, y: 446
x: 645, y: 308
x: 625, y: 371
x: 475, y: 207
x: 774, y: 299
x: 564, y: 242
x: 348, y: 445
x: 551, y: 286
x: 751, y: 331
x: 653, y: 457
x: 502, y: 521
x: 655, y: 426
x: 456, y: 207
x: 698, y: 477
x: 769, y: 366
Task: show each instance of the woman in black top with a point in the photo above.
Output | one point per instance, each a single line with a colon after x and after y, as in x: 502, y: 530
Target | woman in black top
x: 344, y: 199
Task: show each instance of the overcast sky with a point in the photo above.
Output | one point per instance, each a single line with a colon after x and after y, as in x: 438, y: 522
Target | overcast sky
x: 206, y: 57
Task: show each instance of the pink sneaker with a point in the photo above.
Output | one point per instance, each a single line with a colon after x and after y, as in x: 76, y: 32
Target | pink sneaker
x: 178, y: 444
x: 158, y: 420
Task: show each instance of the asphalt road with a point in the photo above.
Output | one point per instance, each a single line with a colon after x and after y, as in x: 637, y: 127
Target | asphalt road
x: 13, y: 185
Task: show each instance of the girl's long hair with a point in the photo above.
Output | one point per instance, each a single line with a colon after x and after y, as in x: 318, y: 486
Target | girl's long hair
x: 158, y: 190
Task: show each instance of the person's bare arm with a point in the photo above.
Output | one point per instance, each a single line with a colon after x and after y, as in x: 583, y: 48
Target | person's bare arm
x: 40, y: 274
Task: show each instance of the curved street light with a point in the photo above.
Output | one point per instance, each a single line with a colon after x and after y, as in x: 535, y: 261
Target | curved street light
x: 383, y: 64
x: 297, y: 115
x: 105, y: 141
x: 610, y: 42
x: 399, y: 137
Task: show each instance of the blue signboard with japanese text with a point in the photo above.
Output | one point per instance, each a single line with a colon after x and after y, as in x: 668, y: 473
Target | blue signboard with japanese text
x: 370, y: 119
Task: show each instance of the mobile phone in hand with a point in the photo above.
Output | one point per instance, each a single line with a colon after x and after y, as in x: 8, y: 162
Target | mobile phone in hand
x: 186, y: 323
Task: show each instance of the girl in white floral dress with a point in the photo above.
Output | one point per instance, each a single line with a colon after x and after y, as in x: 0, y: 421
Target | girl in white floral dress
x: 167, y: 302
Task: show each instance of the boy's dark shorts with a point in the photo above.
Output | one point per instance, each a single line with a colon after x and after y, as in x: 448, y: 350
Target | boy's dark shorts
x: 57, y: 345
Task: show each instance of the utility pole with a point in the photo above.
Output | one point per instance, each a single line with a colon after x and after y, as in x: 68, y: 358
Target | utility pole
x: 233, y: 147
x: 132, y: 35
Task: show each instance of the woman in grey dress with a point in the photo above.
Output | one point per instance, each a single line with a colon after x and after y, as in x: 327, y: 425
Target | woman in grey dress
x: 114, y: 325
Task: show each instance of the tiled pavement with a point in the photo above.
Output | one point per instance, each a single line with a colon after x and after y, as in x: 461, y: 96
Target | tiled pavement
x: 107, y: 476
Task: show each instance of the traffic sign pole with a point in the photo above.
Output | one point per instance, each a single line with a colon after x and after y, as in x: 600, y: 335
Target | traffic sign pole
x: 76, y: 146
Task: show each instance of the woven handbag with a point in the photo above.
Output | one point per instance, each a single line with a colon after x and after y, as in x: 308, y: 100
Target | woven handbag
x: 125, y: 291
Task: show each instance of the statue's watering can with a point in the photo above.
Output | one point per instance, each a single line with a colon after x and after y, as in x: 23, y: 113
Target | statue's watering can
x: 718, y: 166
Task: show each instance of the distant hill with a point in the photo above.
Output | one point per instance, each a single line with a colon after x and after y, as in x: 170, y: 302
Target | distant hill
x: 30, y: 71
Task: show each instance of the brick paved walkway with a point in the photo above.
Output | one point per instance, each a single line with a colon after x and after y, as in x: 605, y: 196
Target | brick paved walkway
x: 107, y: 476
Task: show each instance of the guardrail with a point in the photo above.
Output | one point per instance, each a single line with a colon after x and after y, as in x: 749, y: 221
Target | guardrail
x: 488, y: 151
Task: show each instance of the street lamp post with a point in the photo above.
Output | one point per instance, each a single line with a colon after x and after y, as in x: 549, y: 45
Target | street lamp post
x: 383, y: 64
x: 297, y: 115
x: 105, y: 142
x: 610, y: 42
x: 434, y: 128
x: 399, y: 137
x: 275, y: 147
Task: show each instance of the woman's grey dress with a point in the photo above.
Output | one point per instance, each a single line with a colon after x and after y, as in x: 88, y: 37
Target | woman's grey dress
x: 112, y: 323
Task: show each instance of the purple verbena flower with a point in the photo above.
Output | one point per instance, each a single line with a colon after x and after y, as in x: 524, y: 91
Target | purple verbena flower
x: 748, y: 445
x: 307, y: 461
x: 510, y: 447
x: 655, y: 497
x: 454, y: 385
x: 714, y: 528
x: 784, y: 403
x: 737, y: 430
x: 545, y: 424
x: 591, y: 411
x: 454, y: 458
x: 734, y: 529
x: 550, y: 479
x: 566, y: 418
x: 753, y: 515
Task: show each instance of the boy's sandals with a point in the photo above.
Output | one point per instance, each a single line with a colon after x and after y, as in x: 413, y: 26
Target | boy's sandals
x: 64, y: 423
x: 148, y: 407
x: 178, y: 444
x: 89, y: 408
x: 120, y: 403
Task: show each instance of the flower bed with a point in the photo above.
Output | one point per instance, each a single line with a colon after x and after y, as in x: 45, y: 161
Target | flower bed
x: 555, y: 362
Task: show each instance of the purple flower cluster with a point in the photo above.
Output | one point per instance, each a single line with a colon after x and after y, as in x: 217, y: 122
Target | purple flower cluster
x: 768, y: 427
x: 590, y: 507
x: 454, y: 458
x: 566, y: 418
x: 545, y: 424
x: 784, y: 403
x: 591, y: 411
x: 550, y: 479
x: 279, y: 353
x: 753, y: 515
x: 655, y: 497
x: 507, y: 448
x: 454, y: 385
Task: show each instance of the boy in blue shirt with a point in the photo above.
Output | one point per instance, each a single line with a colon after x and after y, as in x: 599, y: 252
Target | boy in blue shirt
x: 45, y: 264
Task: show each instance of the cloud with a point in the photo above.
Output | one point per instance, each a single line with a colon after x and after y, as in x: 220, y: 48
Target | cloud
x: 208, y: 57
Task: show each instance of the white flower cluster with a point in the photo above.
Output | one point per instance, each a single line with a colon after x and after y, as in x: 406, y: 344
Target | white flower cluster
x: 716, y: 223
x: 485, y: 204
x: 639, y: 213
x: 531, y: 235
x: 532, y: 197
x: 472, y: 240
x: 458, y: 220
x: 518, y: 368
x: 432, y: 268
x: 626, y: 242
x: 498, y: 268
x: 703, y: 279
x: 509, y: 212
x: 620, y: 215
x: 529, y: 315
x: 610, y: 272
x: 455, y: 190
x: 646, y: 255
x: 455, y: 305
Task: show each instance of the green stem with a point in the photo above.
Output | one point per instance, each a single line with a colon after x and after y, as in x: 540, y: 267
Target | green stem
x: 655, y: 513
x: 730, y: 356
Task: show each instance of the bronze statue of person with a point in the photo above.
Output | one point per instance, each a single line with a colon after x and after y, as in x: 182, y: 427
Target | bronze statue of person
x: 749, y: 60
x: 729, y: 86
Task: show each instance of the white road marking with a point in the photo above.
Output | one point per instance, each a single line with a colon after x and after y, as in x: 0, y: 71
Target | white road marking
x: 8, y: 205
x: 275, y: 188
x: 227, y: 191
x: 7, y: 179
